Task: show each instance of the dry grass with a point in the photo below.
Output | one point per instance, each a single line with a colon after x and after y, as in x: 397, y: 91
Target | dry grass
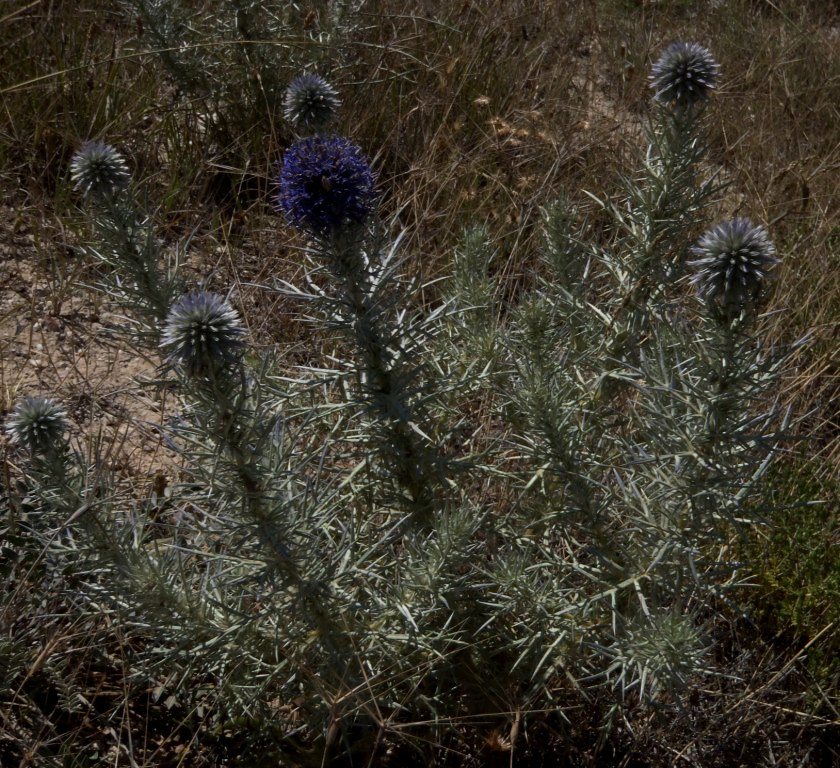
x: 474, y: 112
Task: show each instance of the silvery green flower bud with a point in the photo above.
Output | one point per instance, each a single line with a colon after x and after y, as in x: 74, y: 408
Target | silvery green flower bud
x: 684, y: 75
x: 203, y: 334
x: 311, y: 102
x: 98, y: 170
x: 37, y: 424
x: 733, y: 261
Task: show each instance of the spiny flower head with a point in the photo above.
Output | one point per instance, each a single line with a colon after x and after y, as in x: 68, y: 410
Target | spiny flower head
x: 98, y: 170
x: 325, y: 183
x: 37, y: 424
x: 733, y: 260
x: 311, y: 102
x: 684, y: 75
x: 203, y: 334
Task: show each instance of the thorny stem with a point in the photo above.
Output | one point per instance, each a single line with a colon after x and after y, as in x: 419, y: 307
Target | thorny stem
x: 409, y: 457
x: 122, y: 225
x: 227, y: 392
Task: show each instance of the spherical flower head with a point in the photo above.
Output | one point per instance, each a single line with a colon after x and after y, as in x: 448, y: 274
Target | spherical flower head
x: 203, y: 334
x: 311, y: 102
x: 733, y: 260
x: 325, y: 184
x: 684, y: 75
x: 98, y: 170
x: 37, y: 424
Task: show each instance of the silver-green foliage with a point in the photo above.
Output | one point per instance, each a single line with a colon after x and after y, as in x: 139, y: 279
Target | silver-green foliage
x: 232, y: 60
x: 123, y: 240
x: 459, y: 504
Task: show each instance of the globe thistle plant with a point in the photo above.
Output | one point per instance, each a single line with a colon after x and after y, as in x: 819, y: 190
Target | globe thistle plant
x: 37, y: 424
x: 203, y: 334
x: 98, y: 171
x: 326, y: 189
x: 325, y: 184
x: 540, y: 489
x: 733, y: 261
x: 684, y: 75
x: 311, y: 102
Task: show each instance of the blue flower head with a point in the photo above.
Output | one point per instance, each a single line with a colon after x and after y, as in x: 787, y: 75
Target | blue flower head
x: 325, y: 184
